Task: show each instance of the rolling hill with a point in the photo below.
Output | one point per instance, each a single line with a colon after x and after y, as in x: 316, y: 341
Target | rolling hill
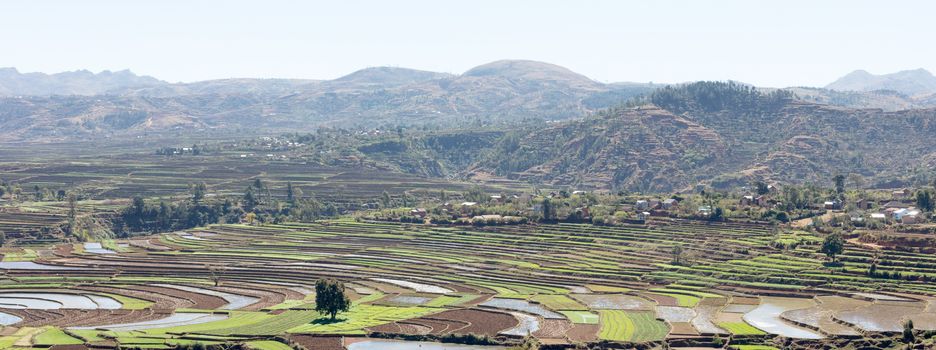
x: 502, y: 92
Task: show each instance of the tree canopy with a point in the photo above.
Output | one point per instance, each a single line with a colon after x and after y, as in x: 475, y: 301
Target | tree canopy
x: 330, y: 298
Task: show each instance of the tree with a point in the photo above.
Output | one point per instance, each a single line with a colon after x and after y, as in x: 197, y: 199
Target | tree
x: 72, y: 213
x: 198, y: 192
x: 761, y: 188
x: 385, y: 200
x: 839, y: 184
x: 717, y: 214
x: 250, y: 200
x: 833, y: 245
x: 290, y: 195
x: 330, y: 298
x: 547, y: 209
x: 677, y: 254
x: 908, y: 336
x: 924, y: 200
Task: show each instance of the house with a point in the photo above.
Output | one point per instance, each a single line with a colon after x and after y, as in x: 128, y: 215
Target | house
x: 832, y: 205
x: 705, y: 210
x: 863, y: 204
x: 497, y: 198
x: 467, y: 206
x: 746, y: 200
x: 670, y: 204
x: 579, y: 192
x: 772, y: 189
x: 763, y: 201
x: 878, y: 216
x: 900, y: 194
x: 654, y: 203
x: 910, y: 219
x: 896, y: 205
x: 420, y: 212
x: 487, y: 219
x: 586, y: 213
x: 642, y: 205
x: 643, y: 216
x: 907, y: 216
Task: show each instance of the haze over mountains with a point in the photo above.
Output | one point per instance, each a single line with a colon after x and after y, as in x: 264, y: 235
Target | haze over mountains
x: 491, y: 122
x: 909, y: 82
x: 503, y: 91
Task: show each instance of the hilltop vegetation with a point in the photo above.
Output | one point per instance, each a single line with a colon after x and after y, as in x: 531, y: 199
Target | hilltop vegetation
x: 722, y: 134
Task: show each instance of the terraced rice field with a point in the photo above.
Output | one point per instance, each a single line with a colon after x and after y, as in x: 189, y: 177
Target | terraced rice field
x: 561, y: 283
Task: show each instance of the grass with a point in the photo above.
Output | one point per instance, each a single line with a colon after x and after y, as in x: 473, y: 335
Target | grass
x: 267, y: 345
x: 753, y: 347
x: 558, y: 302
x: 683, y: 299
x: 597, y: 288
x: 740, y: 328
x: 54, y: 336
x: 363, y: 316
x: 583, y: 317
x: 631, y: 326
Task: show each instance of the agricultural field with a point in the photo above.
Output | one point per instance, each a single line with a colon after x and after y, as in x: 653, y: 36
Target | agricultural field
x: 561, y: 283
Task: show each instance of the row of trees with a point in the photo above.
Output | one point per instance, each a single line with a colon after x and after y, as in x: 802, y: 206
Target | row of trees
x: 257, y: 205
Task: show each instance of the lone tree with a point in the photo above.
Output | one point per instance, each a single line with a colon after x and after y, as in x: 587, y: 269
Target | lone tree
x: 677, y: 255
x: 330, y: 298
x: 833, y: 245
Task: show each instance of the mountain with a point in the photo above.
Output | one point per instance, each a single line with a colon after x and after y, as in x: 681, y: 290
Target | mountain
x: 502, y: 92
x: 908, y: 82
x: 389, y: 76
x: 720, y: 134
x: 81, y: 82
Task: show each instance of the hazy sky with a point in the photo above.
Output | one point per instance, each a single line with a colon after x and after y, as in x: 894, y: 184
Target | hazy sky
x: 768, y: 43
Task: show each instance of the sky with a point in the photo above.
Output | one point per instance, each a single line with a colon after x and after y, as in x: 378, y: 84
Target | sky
x: 768, y: 43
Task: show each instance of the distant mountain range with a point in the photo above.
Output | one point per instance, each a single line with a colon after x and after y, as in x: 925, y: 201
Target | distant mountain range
x: 908, y: 82
x: 498, y: 92
x: 82, y: 82
x: 521, y: 120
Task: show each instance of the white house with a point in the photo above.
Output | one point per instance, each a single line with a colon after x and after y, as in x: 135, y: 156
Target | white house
x: 642, y: 205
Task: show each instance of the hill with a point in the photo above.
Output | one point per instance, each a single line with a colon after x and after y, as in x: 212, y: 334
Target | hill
x: 908, y: 82
x: 721, y: 134
x: 81, y: 82
x: 503, y: 92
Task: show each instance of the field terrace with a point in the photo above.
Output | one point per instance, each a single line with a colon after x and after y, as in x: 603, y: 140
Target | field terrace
x: 152, y: 176
x: 563, y: 284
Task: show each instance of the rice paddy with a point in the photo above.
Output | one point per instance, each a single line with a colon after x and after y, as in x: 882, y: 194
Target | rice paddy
x: 567, y: 283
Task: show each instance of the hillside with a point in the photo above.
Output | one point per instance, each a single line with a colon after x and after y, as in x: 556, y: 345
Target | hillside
x: 722, y: 134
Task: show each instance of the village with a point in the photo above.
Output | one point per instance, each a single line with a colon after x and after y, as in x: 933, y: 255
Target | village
x: 903, y: 209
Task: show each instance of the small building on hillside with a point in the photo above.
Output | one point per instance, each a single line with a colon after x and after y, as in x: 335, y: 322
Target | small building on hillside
x: 643, y: 216
x: 896, y: 205
x: 642, y: 205
x: 764, y: 201
x: 670, y: 203
x: 420, y: 212
x: 746, y: 201
x: 654, y: 203
x: 901, y: 193
x: 863, y: 204
x: 705, y: 210
x: 878, y: 216
x: 907, y: 216
x: 832, y: 205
